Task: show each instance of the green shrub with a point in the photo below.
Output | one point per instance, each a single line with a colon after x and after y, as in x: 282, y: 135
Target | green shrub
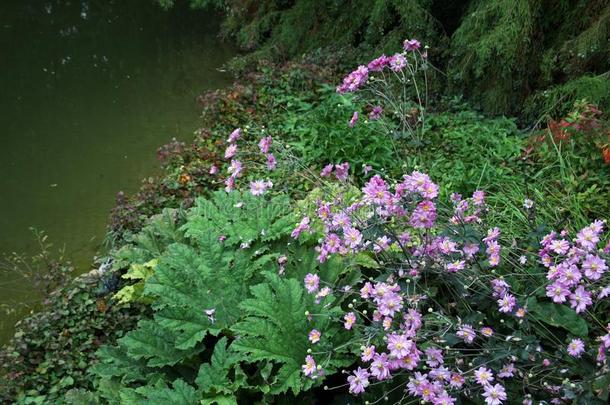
x: 52, y: 350
x: 219, y: 310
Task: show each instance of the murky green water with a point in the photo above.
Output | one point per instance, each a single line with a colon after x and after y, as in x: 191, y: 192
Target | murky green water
x: 88, y: 91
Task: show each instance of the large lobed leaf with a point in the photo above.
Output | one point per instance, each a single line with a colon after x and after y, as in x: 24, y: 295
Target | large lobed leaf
x: 276, y: 328
x: 240, y: 218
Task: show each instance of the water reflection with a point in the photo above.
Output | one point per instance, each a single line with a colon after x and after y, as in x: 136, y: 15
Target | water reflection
x: 88, y: 91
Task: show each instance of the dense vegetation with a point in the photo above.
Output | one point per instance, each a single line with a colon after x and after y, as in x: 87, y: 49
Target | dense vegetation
x: 517, y: 57
x: 297, y: 251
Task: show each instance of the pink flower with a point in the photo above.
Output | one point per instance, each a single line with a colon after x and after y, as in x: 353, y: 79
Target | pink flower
x: 271, y: 162
x: 349, y: 320
x: 558, y: 292
x: 230, y: 151
x: 229, y: 184
x: 487, y: 331
x: 354, y: 80
x: 327, y: 170
x: 605, y: 292
x: 478, y: 197
x: 322, y: 294
x: 467, y: 333
x: 411, y: 44
x: 264, y: 144
x: 457, y: 380
x: 588, y: 237
x: 398, y: 62
x: 594, y: 267
x: 424, y: 215
x: 353, y: 237
x: 309, y: 368
x: 390, y: 304
x: 560, y: 246
x: 492, y: 235
x: 353, y: 120
x: 312, y: 283
x: 470, y: 249
x: 259, y: 187
x: 302, y: 226
x: 483, y: 376
x: 376, y: 191
x: 507, y: 303
x: 576, y: 348
x: 441, y: 374
x: 494, y: 395
x: 341, y: 220
x: 508, y: 370
x: 381, y: 244
x: 368, y: 353
x: 235, y: 135
x: 443, y: 399
x: 236, y: 168
x: 341, y: 171
x: 358, y: 381
x: 456, y: 266
x: 213, y: 169
x: 434, y: 357
x: 314, y: 336
x: 500, y: 287
x: 367, y: 290
x: 378, y: 64
x: 493, y: 248
x: 399, y: 345
x: 580, y: 299
x: 379, y: 367
x: 375, y: 113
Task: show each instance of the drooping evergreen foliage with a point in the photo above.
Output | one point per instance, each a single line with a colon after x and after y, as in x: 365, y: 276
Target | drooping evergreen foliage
x: 499, y: 54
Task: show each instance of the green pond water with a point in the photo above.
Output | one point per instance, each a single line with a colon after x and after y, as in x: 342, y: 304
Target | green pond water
x: 88, y: 91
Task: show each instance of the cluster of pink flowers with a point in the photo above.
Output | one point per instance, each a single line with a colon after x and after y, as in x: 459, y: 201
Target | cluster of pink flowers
x: 353, y: 81
x: 575, y: 269
x: 358, y: 78
x: 410, y: 207
x: 341, y: 171
x: 410, y: 204
x: 398, y: 223
x: 235, y: 169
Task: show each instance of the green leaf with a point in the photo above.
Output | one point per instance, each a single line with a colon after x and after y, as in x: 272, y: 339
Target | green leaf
x: 156, y: 344
x: 275, y: 316
x: 557, y: 315
x: 220, y: 400
x: 180, y: 394
x: 213, y: 377
x: 363, y: 259
x: 239, y: 217
x: 140, y: 272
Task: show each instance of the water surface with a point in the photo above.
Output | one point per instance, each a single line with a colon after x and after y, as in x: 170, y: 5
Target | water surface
x: 88, y: 91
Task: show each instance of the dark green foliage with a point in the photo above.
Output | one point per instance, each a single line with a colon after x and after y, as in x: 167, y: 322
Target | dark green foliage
x: 469, y: 151
x: 491, y: 51
x: 497, y: 53
x: 184, y: 346
x: 557, y: 101
x: 276, y: 315
x: 322, y: 135
x: 52, y: 350
x: 557, y: 315
x: 506, y: 50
